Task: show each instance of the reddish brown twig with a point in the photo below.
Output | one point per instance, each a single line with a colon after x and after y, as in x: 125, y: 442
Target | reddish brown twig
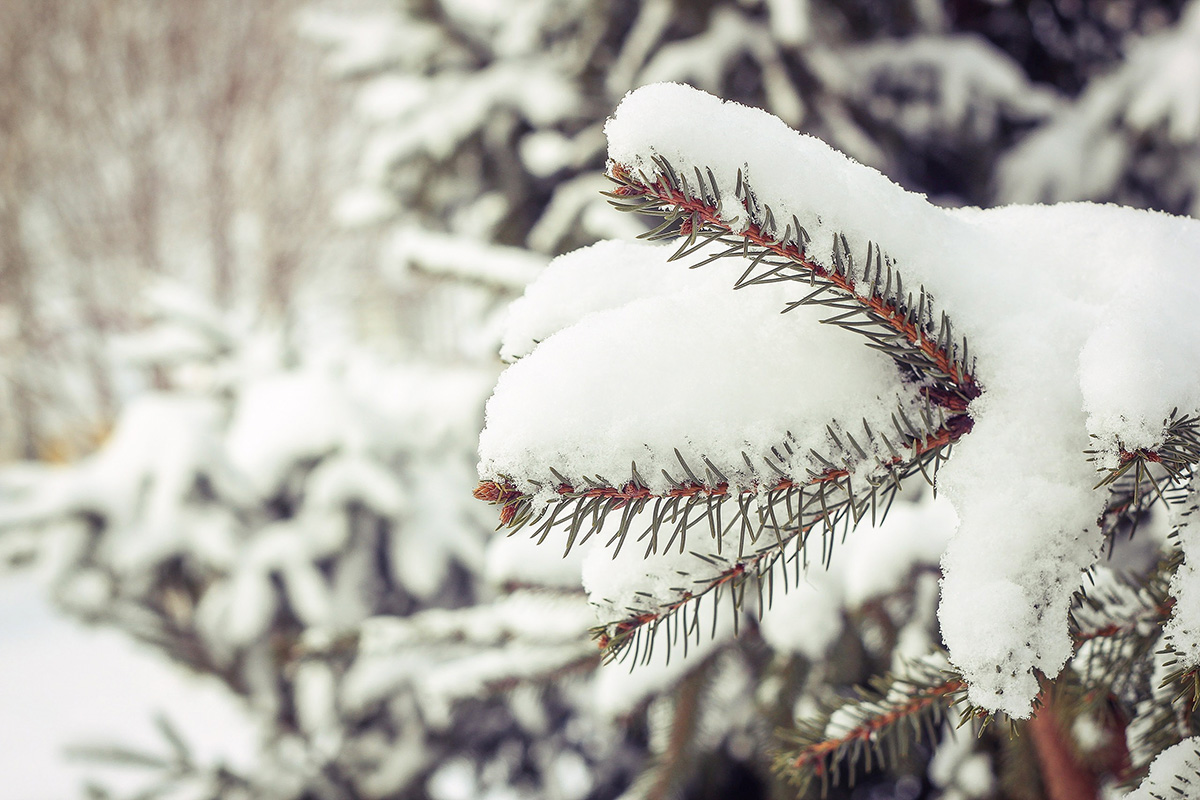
x: 1064, y: 776
x: 816, y: 756
x: 884, y: 309
x: 505, y: 494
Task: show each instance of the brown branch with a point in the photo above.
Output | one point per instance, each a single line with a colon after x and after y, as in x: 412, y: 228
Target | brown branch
x: 885, y: 310
x: 612, y: 635
x: 815, y: 756
x: 1063, y: 775
x: 505, y: 494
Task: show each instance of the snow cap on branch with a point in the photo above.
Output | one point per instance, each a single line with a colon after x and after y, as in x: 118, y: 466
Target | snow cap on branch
x: 657, y: 358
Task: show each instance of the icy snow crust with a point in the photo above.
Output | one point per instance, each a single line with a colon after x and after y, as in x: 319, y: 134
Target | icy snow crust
x: 1080, y: 318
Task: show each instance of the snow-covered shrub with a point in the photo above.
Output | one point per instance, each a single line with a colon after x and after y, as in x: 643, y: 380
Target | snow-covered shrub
x: 1131, y: 136
x: 302, y: 529
x: 487, y: 120
x: 717, y: 448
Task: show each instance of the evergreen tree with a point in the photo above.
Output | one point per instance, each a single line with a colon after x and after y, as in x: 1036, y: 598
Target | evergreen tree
x: 768, y: 602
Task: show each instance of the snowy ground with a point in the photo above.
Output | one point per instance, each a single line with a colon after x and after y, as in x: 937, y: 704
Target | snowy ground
x: 62, y: 683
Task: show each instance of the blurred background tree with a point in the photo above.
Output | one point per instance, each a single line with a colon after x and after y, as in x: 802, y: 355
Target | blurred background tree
x: 253, y: 262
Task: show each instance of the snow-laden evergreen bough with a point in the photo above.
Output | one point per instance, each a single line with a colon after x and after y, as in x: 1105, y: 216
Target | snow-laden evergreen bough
x: 1051, y: 347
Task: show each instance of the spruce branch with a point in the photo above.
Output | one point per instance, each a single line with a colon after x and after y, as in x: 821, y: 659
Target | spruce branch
x: 583, y: 505
x: 833, y: 500
x: 840, y: 488
x: 1174, y: 775
x: 1160, y: 471
x: 1115, y: 625
x: 874, y: 728
x: 1165, y: 719
x: 1127, y: 672
x: 1183, y: 683
x: 877, y: 726
x: 869, y: 299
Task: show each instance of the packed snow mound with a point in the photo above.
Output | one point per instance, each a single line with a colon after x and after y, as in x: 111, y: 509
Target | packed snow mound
x: 1078, y: 317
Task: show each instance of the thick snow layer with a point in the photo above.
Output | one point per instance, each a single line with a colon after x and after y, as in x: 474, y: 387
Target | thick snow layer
x: 1078, y: 316
x: 573, y: 287
x: 659, y: 358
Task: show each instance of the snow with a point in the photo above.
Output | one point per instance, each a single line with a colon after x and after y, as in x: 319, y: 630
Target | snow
x: 1175, y: 772
x: 137, y: 482
x: 1143, y: 735
x: 637, y: 577
x: 958, y: 769
x: 467, y: 100
x: 448, y: 655
x: 684, y: 365
x: 363, y: 206
x: 370, y: 39
x: 620, y: 686
x: 520, y: 560
x: 1171, y: 97
x: 577, y: 207
x: 281, y: 420
x: 1182, y: 632
x: 65, y: 684
x: 459, y: 257
x: 702, y: 60
x: 807, y: 619
x: 935, y: 85
x: 1148, y: 104
x: 1077, y: 318
x: 790, y: 20
x: 603, y: 276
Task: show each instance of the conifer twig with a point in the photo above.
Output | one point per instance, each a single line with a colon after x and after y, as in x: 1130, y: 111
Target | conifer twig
x: 875, y: 728
x: 1115, y: 625
x: 872, y: 304
x: 830, y: 503
x: 1158, y: 473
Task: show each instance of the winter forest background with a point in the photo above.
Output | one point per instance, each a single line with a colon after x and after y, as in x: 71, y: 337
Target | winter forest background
x: 254, y: 265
